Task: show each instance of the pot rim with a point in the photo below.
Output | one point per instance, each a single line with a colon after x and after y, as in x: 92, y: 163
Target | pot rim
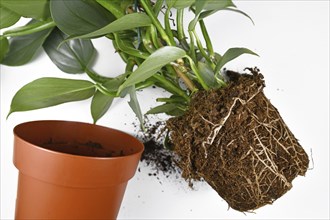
x: 140, y: 150
x: 59, y: 168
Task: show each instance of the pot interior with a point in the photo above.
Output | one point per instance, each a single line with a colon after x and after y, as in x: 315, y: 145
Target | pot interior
x: 78, y: 138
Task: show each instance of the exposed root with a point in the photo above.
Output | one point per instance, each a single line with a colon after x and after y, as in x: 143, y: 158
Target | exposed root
x: 217, y: 127
x: 237, y: 141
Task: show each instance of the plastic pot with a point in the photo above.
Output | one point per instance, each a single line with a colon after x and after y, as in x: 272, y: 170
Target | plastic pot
x: 72, y: 170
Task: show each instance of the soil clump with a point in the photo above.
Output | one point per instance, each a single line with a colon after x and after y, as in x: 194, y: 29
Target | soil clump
x: 236, y: 140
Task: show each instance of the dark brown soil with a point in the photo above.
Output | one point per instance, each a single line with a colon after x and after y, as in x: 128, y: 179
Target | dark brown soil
x: 90, y: 148
x: 155, y: 155
x: 236, y: 140
x: 159, y: 158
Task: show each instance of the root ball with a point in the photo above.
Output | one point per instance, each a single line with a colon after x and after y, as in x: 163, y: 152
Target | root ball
x: 236, y: 140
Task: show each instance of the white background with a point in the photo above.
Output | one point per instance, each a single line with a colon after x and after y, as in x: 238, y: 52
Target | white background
x: 292, y: 39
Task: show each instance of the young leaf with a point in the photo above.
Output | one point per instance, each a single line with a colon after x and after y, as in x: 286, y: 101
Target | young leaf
x: 100, y: 105
x: 126, y: 22
x: 153, y: 64
x: 79, y: 17
x: 3, y: 47
x: 205, y: 8
x: 72, y: 56
x: 23, y: 48
x: 240, y: 12
x: 48, y: 91
x: 37, y: 9
x: 165, y: 108
x: 231, y: 54
x: 7, y: 17
x: 135, y: 106
x: 205, y: 14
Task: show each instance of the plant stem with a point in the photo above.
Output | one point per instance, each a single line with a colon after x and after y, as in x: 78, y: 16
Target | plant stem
x: 96, y: 77
x: 130, y: 64
x: 158, y: 6
x: 182, y: 74
x: 147, y: 42
x: 195, y: 70
x: 104, y: 91
x: 207, y: 38
x: 170, y: 86
x: 200, y: 47
x: 192, y: 53
x: 123, y: 56
x: 171, y: 73
x: 129, y: 50
x: 179, y: 20
x: 154, y: 37
x: 29, y: 29
x: 156, y: 22
x: 144, y: 85
x: 168, y: 26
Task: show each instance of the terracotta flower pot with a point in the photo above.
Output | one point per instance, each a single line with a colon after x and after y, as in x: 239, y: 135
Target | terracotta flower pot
x: 72, y: 170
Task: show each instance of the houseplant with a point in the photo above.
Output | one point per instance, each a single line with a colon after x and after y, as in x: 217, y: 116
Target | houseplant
x: 166, y: 59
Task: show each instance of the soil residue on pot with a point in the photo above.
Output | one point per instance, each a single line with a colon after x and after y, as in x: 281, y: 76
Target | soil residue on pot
x: 236, y: 140
x: 89, y: 148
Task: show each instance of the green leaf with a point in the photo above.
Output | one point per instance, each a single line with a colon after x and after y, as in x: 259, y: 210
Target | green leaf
x: 217, y: 5
x: 153, y: 64
x: 175, y: 112
x: 100, y: 105
x: 48, y: 91
x: 181, y: 4
x: 73, y: 56
x: 207, y: 74
x: 135, y: 106
x: 7, y: 17
x: 37, y: 9
x: 199, y: 6
x: 113, y: 84
x: 79, y: 17
x: 4, y: 45
x: 114, y: 6
x: 173, y: 99
x: 240, y: 12
x: 126, y: 22
x: 23, y: 48
x: 231, y: 54
x: 205, y: 8
x: 205, y: 14
x: 165, y: 108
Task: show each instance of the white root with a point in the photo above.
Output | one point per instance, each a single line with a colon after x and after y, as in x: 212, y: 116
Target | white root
x: 217, y: 127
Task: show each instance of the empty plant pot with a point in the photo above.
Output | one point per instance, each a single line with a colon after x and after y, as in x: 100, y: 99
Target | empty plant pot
x: 72, y: 170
